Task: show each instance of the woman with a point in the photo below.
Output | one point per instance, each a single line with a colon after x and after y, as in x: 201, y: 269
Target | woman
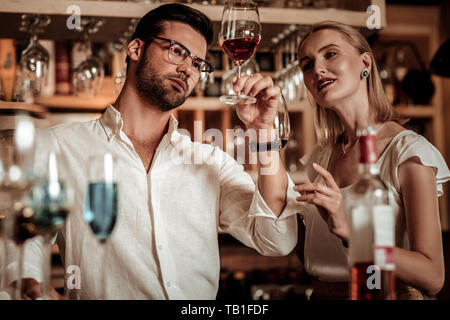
x: 341, y: 75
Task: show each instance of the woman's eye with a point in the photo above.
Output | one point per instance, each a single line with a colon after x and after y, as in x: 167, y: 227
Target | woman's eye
x: 329, y: 54
x: 307, y: 66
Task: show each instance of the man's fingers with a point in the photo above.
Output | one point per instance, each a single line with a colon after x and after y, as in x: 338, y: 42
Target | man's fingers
x: 271, y: 93
x: 248, y: 85
x: 240, y: 82
x: 262, y: 83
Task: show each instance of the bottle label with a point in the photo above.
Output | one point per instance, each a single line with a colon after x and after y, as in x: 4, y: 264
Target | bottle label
x: 361, y: 243
x: 384, y: 257
x: 368, y: 149
x: 384, y: 236
x: 383, y: 223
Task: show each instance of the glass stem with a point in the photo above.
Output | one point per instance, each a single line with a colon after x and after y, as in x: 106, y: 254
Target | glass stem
x: 46, y: 269
x: 104, y: 289
x: 18, y: 288
x: 238, y: 71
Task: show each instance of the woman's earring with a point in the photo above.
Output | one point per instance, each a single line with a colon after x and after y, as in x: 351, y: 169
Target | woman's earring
x: 364, y: 74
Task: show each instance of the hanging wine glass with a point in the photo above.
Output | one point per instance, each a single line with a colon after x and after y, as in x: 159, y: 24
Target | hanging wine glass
x: 119, y: 54
x: 239, y: 37
x: 101, y: 201
x: 34, y: 60
x: 23, y: 91
x: 87, y: 77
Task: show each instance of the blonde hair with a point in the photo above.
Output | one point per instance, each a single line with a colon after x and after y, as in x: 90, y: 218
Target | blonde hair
x: 327, y: 123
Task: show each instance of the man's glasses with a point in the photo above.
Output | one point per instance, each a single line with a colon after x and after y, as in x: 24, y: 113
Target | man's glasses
x: 179, y: 53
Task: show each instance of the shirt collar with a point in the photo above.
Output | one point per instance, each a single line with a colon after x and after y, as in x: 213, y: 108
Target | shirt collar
x: 112, y: 123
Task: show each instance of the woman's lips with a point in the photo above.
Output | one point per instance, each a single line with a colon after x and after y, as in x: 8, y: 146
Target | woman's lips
x: 323, y: 83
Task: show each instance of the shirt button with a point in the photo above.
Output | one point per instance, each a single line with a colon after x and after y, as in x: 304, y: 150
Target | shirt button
x: 160, y: 247
x: 168, y: 283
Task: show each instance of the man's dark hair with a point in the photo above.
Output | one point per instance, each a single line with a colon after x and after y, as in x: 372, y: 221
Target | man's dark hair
x: 152, y: 23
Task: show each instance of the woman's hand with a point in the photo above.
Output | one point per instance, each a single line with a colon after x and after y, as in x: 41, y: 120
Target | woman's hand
x: 328, y: 199
x: 261, y: 114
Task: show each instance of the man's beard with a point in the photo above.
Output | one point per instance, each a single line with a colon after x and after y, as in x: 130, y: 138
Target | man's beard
x: 151, y: 88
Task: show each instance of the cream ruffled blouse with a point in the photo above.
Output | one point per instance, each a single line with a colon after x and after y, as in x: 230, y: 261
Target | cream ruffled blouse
x: 325, y: 256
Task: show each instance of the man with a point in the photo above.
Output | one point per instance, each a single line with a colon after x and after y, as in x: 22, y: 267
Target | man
x: 164, y: 245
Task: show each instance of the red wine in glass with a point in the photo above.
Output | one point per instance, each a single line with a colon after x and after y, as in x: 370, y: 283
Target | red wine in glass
x: 240, y: 49
x: 239, y: 36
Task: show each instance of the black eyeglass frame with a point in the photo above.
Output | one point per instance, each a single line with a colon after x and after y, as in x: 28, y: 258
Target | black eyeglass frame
x: 193, y: 57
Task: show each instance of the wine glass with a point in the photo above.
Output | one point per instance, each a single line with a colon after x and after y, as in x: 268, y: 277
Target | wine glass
x: 34, y: 64
x: 17, y: 146
x: 101, y: 200
x: 22, y: 87
x: 281, y: 122
x: 34, y: 61
x: 239, y: 37
x: 87, y: 77
x: 51, y: 200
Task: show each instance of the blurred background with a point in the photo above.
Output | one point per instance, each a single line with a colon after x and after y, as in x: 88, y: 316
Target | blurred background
x: 410, y: 51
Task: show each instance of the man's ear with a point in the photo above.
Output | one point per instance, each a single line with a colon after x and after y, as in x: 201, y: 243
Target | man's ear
x: 367, y: 60
x: 135, y: 49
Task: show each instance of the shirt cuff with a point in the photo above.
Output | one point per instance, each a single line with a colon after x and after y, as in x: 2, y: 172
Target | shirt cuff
x: 29, y: 271
x: 259, y: 207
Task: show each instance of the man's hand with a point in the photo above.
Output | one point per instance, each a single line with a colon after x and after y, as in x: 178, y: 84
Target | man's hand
x: 261, y: 114
x: 31, y: 290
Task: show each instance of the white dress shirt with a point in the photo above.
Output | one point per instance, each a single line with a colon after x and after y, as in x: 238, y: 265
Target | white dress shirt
x: 165, y: 241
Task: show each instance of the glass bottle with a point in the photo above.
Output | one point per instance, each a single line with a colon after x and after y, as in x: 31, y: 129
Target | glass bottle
x: 371, y: 228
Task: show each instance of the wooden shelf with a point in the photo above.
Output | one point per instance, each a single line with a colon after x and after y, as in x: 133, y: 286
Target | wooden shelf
x: 124, y: 9
x: 34, y: 109
x: 70, y: 102
x: 416, y: 111
x: 117, y: 16
x: 99, y: 103
x: 220, y: 73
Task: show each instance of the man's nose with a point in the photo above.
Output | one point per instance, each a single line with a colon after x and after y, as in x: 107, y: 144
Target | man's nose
x: 186, y: 67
